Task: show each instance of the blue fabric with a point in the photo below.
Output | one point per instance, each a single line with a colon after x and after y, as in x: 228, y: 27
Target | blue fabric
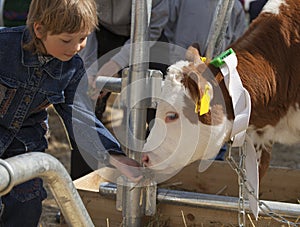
x: 23, y: 205
x: 221, y: 155
x: 255, y: 8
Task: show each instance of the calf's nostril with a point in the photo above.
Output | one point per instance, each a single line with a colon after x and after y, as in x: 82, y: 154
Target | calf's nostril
x: 145, y: 159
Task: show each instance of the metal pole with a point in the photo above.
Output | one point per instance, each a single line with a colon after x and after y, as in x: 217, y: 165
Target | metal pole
x: 138, y: 69
x: 136, y: 111
x: 194, y: 199
x: 218, y: 27
x: 1, y: 12
x: 21, y: 168
x: 222, y: 33
x: 112, y: 84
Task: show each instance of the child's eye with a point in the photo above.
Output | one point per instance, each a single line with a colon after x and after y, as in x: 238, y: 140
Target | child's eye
x: 82, y: 39
x: 65, y: 41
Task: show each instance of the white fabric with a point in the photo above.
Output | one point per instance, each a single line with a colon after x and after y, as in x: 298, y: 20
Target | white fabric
x: 240, y: 99
x: 251, y: 166
x: 242, y: 108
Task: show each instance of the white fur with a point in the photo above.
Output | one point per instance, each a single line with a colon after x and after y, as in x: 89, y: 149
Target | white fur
x: 273, y: 6
x: 172, y: 145
x: 287, y: 131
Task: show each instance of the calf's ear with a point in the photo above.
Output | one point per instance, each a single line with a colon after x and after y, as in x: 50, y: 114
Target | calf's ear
x: 200, y: 90
x: 193, y: 55
x: 192, y: 84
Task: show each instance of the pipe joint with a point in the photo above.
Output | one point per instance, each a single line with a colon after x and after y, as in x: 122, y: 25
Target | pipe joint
x: 10, y: 183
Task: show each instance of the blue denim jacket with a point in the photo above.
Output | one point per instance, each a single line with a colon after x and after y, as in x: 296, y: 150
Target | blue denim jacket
x: 28, y: 87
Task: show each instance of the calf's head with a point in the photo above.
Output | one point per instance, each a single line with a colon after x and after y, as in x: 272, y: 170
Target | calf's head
x: 191, y: 122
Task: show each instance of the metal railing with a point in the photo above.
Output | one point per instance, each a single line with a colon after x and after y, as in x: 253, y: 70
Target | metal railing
x: 220, y: 202
x: 21, y: 168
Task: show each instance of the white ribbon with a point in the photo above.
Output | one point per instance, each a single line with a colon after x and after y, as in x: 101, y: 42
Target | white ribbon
x: 241, y: 102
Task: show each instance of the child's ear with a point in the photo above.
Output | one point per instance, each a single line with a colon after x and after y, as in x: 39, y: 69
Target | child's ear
x: 38, y: 30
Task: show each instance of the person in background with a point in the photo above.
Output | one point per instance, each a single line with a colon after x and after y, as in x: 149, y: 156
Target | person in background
x: 253, y: 7
x: 14, y: 12
x: 114, y: 32
x: 39, y: 67
x: 113, y: 36
x: 190, y: 22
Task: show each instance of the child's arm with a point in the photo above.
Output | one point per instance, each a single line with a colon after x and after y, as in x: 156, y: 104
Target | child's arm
x: 90, y: 135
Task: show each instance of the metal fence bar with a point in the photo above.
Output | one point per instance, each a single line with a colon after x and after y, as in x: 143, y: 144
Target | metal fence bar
x: 112, y: 84
x: 194, y: 199
x: 21, y: 168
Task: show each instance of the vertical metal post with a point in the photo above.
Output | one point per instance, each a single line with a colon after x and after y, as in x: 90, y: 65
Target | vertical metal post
x: 221, y: 36
x: 136, y: 111
x: 138, y: 69
x: 218, y: 27
x: 1, y: 12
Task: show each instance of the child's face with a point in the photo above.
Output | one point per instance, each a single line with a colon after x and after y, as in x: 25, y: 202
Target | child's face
x: 63, y: 46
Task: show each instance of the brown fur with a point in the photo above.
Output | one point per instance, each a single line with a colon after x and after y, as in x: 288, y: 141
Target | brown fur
x: 268, y: 56
x: 268, y: 64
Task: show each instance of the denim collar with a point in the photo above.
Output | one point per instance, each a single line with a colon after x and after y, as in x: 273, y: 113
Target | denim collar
x: 53, y: 67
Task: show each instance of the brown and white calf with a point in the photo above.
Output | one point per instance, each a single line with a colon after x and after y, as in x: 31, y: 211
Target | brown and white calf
x: 268, y: 64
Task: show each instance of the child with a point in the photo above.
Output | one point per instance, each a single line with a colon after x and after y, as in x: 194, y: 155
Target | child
x: 39, y: 66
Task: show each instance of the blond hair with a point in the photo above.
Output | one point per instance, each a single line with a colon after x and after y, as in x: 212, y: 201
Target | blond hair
x: 59, y: 16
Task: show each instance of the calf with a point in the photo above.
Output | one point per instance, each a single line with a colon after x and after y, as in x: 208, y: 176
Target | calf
x: 268, y: 64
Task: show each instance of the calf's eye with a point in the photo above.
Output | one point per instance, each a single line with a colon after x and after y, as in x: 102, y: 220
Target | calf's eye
x: 171, y: 116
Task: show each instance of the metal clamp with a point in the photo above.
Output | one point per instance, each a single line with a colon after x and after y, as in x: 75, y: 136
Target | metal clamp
x: 147, y: 192
x: 146, y: 90
x: 150, y: 89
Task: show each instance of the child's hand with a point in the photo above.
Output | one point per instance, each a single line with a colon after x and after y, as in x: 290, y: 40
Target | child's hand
x: 127, y: 166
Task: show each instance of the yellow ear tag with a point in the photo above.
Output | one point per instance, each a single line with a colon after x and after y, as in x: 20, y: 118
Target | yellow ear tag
x: 203, y: 59
x: 205, y: 101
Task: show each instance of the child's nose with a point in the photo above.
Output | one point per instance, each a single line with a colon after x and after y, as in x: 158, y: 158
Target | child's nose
x: 78, y: 47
